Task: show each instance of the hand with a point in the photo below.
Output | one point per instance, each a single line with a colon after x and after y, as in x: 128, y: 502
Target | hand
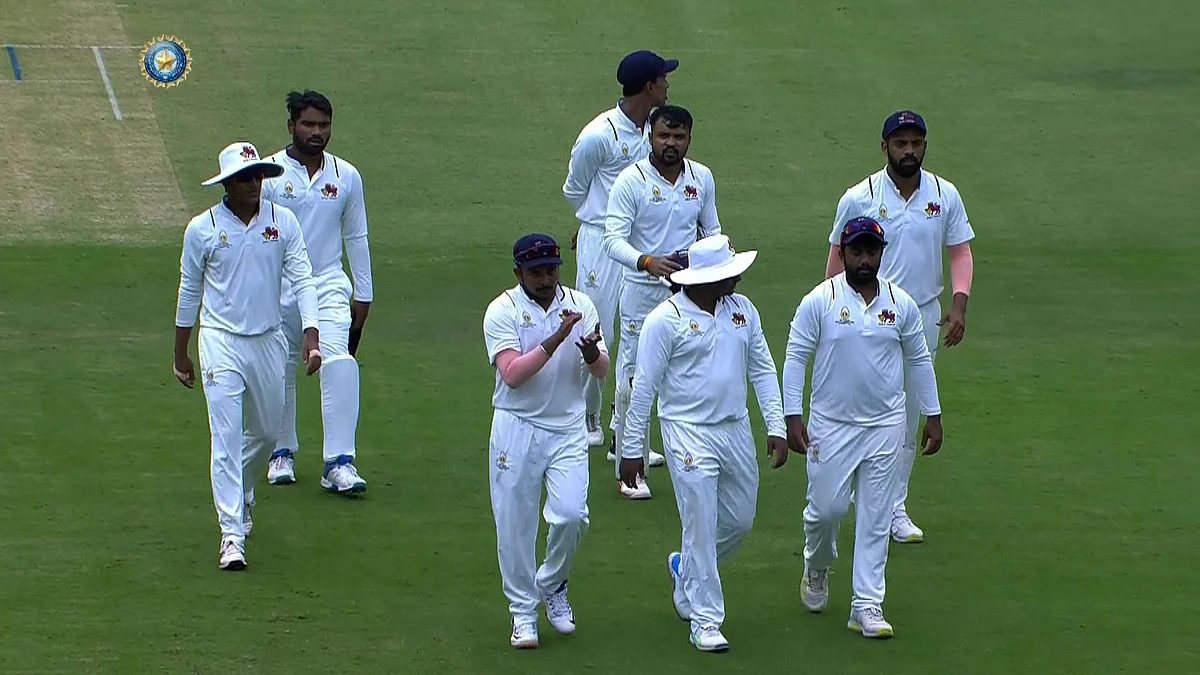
x: 797, y: 434
x: 587, y: 346
x: 312, y: 351
x: 630, y: 470
x: 778, y: 447
x: 185, y: 372
x: 575, y: 239
x: 662, y: 267
x: 931, y: 436
x: 358, y: 318
x: 568, y: 324
x: 956, y: 326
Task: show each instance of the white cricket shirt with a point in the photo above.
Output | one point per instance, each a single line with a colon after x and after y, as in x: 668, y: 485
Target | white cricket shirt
x: 698, y: 365
x: 332, y: 213
x: 859, y: 351
x: 917, y: 230
x: 554, y: 397
x: 647, y: 215
x: 608, y: 144
x: 232, y: 272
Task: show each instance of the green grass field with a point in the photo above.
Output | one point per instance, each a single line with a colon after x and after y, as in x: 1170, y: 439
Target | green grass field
x: 1060, y: 515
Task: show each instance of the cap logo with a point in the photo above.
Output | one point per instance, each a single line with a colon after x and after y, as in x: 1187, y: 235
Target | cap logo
x: 249, y: 153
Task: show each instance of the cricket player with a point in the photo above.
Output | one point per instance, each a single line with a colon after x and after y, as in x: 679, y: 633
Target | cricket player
x: 696, y: 352
x: 326, y: 193
x: 545, y: 343
x: 613, y: 140
x: 235, y: 257
x: 864, y: 336
x: 659, y: 206
x: 924, y: 214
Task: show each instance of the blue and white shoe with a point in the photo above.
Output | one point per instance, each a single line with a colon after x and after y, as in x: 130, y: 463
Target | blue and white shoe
x: 281, y: 470
x: 682, y: 606
x: 341, y: 477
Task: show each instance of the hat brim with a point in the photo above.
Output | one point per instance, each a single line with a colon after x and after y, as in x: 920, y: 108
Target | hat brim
x: 270, y: 170
x: 858, y: 235
x: 696, y: 276
x: 540, y: 262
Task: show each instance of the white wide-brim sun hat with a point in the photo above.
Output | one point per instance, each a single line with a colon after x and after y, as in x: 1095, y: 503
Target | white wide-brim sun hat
x: 240, y: 156
x: 713, y: 259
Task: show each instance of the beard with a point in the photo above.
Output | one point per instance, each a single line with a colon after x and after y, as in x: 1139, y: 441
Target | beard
x: 312, y: 145
x: 906, y: 166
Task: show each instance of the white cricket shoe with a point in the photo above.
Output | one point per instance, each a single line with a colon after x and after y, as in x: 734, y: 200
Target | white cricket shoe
x: 870, y: 623
x: 642, y: 491
x: 595, y: 433
x: 233, y: 555
x: 524, y: 634
x: 678, y: 597
x: 341, y: 477
x: 656, y: 459
x: 905, y: 531
x: 709, y: 639
x: 281, y: 470
x: 558, y: 610
x: 814, y: 589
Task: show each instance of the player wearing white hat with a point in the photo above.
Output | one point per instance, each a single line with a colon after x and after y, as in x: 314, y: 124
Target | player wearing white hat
x: 544, y: 341
x: 863, y: 333
x: 697, y: 351
x: 326, y: 193
x: 235, y: 257
x: 613, y: 140
x: 924, y: 215
x: 658, y: 207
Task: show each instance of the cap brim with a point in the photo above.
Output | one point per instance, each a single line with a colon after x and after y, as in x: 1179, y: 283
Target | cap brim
x: 906, y: 125
x: 540, y: 262
x: 696, y: 276
x: 670, y: 65
x: 270, y: 170
x: 860, y: 235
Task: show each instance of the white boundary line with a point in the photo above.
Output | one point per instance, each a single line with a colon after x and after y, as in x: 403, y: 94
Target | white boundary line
x: 359, y: 50
x: 112, y: 95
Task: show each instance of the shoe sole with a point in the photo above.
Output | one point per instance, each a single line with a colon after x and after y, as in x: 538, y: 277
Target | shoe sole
x: 804, y: 601
x: 881, y: 635
x: 915, y: 539
x: 671, y: 573
x: 712, y: 650
x: 234, y: 566
x: 352, y: 490
x: 526, y: 644
x: 282, y: 480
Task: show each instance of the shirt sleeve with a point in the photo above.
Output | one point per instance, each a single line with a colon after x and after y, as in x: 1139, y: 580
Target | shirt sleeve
x: 622, y: 209
x: 354, y: 235
x: 297, y: 269
x: 918, y: 359
x: 653, y: 353
x: 586, y: 156
x: 499, y: 330
x: 765, y: 378
x: 191, y: 276
x: 709, y: 223
x: 958, y: 226
x: 802, y: 343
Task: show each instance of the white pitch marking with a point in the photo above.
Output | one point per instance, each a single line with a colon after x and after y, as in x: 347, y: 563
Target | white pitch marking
x: 112, y: 95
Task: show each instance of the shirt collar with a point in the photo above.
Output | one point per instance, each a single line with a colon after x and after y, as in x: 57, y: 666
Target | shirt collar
x: 887, y: 180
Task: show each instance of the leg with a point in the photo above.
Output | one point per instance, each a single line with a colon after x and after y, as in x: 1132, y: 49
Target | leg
x: 902, y: 527
x: 264, y: 364
x: 282, y: 467
x: 566, y: 513
x: 339, y: 389
x: 224, y: 389
x: 737, y: 487
x: 600, y: 278
x: 516, y: 474
x: 878, y: 483
x: 637, y: 301
x: 831, y: 462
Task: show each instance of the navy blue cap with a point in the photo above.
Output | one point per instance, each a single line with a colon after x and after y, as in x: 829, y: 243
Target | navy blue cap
x: 863, y: 226
x: 901, y: 119
x: 536, y: 250
x: 643, y: 66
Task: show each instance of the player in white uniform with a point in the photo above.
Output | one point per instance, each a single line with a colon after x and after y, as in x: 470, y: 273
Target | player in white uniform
x: 865, y: 337
x: 235, y: 256
x: 924, y: 214
x: 696, y: 352
x: 545, y: 343
x: 658, y: 207
x: 326, y: 193
x: 613, y: 140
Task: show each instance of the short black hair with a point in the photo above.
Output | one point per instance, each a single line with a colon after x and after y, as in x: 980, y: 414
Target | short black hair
x: 675, y: 116
x: 298, y: 102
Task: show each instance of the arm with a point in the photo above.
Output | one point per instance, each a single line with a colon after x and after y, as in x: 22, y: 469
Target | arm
x: 654, y: 351
x: 845, y: 211
x: 591, y: 324
x: 586, y: 156
x: 297, y: 269
x: 191, y: 285
x: 709, y: 223
x: 918, y: 359
x: 622, y: 208
x: 504, y: 349
x: 834, y: 265
x: 354, y: 237
x: 962, y: 272
x: 765, y: 378
x: 802, y: 342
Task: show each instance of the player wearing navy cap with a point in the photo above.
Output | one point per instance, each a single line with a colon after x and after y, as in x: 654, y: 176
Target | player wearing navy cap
x: 924, y: 215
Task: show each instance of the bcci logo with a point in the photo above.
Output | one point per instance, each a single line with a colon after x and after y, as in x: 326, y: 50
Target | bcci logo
x: 165, y: 61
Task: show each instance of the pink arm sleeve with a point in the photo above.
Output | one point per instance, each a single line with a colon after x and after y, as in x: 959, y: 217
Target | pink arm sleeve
x: 833, y: 266
x: 516, y: 369
x: 962, y: 268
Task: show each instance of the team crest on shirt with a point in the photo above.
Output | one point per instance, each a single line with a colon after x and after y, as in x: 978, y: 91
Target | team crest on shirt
x: 887, y: 317
x: 210, y: 378
x: 689, y: 464
x: 591, y: 280
x: 933, y: 210
x: 624, y: 149
x: 844, y: 317
x: 223, y: 240
x: 270, y: 234
x: 694, y: 326
x: 329, y: 191
x: 690, y: 193
x: 882, y: 212
x: 656, y: 196
x: 526, y: 320
x: 289, y: 192
x: 739, y: 319
x: 502, y: 462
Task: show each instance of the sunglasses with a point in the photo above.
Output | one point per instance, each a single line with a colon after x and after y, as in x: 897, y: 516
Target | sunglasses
x: 535, y: 252
x: 860, y: 226
x: 248, y: 176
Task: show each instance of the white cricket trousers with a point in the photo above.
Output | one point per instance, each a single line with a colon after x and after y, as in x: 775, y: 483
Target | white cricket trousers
x: 339, y: 370
x: 931, y: 314
x: 841, y: 458
x: 715, y: 473
x: 600, y: 277
x: 637, y: 301
x: 243, y: 384
x: 522, y: 458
